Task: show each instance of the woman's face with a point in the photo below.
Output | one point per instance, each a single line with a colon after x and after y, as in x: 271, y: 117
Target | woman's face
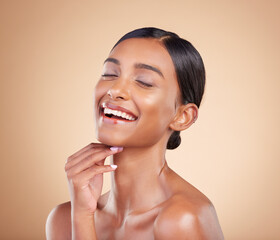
x: 136, y: 97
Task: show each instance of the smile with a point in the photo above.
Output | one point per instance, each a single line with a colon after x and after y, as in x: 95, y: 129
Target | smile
x: 115, y: 114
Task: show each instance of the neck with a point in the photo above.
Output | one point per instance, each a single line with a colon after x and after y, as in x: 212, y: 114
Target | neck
x: 137, y: 184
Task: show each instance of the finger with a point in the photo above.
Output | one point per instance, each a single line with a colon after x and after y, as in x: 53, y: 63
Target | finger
x: 89, y: 146
x: 91, y: 160
x: 87, y: 152
x: 83, y: 178
x: 100, y: 163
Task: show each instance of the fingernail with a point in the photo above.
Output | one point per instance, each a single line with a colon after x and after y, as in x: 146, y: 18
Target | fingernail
x: 115, y: 149
x: 114, y: 166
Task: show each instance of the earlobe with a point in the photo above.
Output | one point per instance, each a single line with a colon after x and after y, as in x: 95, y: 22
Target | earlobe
x: 186, y: 115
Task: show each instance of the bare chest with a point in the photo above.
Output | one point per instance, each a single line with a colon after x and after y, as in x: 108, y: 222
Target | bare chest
x: 134, y: 227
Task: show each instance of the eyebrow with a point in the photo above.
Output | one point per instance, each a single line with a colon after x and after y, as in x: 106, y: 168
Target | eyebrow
x: 113, y: 60
x: 148, y: 67
x: 137, y: 65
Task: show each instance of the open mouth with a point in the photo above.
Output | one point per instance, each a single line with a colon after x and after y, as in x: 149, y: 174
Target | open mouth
x: 117, y: 114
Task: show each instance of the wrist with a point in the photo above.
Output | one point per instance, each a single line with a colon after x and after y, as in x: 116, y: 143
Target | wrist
x: 78, y: 214
x: 82, y: 212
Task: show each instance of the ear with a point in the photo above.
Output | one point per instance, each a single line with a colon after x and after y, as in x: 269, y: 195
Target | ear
x: 186, y: 115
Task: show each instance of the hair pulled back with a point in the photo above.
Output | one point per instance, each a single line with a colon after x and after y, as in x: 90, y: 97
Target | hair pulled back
x: 189, y: 67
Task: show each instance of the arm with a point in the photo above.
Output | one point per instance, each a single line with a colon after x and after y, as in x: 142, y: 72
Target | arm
x: 83, y: 227
x: 84, y: 171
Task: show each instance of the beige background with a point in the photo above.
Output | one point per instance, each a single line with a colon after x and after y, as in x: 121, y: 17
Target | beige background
x: 51, y: 58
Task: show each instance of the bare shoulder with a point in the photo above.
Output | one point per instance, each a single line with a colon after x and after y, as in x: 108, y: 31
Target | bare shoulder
x: 188, y: 214
x: 58, y: 224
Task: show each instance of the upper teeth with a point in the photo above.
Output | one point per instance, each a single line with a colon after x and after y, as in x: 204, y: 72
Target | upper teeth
x: 118, y: 113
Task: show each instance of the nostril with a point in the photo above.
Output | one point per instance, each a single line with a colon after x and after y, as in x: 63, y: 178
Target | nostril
x: 109, y: 93
x: 119, y: 91
x: 118, y: 95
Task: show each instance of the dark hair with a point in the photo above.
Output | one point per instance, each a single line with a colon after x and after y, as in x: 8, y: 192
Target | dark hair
x: 188, y: 65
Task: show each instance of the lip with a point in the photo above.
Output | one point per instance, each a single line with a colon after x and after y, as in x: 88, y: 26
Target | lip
x: 118, y: 108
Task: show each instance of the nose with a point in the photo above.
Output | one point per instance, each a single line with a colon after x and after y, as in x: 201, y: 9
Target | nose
x: 119, y: 90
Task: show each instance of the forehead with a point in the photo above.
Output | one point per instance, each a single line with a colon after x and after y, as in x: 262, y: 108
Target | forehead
x: 144, y: 50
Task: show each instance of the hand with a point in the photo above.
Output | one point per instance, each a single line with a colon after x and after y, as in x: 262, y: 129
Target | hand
x: 84, y: 171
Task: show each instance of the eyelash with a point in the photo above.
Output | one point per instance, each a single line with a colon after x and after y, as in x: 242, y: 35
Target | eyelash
x: 109, y: 75
x: 142, y: 83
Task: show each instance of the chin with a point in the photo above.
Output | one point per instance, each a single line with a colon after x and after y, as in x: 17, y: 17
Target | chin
x: 110, y: 141
x: 120, y: 138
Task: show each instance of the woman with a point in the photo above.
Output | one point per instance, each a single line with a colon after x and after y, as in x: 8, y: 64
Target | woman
x: 150, y: 90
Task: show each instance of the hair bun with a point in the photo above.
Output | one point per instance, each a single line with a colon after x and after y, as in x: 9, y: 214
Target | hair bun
x: 174, y: 140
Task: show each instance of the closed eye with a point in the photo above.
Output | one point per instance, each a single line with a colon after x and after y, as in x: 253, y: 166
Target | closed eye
x: 144, y: 84
x: 109, y: 75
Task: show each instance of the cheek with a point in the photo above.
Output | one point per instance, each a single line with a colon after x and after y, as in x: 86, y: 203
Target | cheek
x: 100, y: 90
x: 158, y: 110
x: 161, y: 103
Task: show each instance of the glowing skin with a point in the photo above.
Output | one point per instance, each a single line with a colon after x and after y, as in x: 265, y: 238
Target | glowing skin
x: 125, y: 86
x: 137, y: 106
